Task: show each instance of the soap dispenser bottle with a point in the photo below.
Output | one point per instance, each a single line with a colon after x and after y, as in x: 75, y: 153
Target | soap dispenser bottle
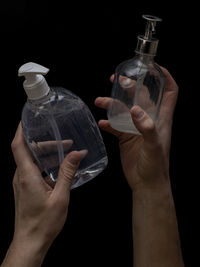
x: 138, y: 81
x: 55, y: 122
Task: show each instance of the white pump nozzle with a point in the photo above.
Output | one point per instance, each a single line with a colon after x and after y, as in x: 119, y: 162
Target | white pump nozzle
x: 35, y: 84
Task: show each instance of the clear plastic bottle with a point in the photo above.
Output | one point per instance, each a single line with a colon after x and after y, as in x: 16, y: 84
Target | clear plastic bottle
x: 55, y: 122
x: 138, y: 81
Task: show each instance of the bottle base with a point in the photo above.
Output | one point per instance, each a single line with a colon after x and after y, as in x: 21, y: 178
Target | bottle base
x: 123, y: 123
x: 85, y: 175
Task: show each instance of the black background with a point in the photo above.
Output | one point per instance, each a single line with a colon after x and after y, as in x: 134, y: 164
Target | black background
x: 82, y: 43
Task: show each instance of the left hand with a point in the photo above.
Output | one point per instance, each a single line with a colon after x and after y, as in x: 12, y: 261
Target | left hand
x: 40, y: 210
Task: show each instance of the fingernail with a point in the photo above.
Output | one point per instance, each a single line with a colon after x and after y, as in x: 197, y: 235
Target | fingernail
x: 98, y: 100
x: 138, y: 113
x: 83, y: 153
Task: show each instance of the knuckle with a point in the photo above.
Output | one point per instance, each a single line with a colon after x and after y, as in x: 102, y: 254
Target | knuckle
x: 22, y: 180
x: 159, y: 147
x: 15, y: 179
x: 14, y: 182
x: 149, y: 125
x: 14, y: 145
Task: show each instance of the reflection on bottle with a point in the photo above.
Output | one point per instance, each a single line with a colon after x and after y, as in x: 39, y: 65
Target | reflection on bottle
x: 55, y: 122
x: 138, y: 81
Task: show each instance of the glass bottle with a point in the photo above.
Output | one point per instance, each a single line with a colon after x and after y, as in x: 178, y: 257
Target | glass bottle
x: 138, y: 81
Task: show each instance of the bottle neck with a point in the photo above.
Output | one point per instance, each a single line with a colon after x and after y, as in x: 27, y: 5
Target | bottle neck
x: 146, y: 46
x: 41, y: 101
x: 146, y: 58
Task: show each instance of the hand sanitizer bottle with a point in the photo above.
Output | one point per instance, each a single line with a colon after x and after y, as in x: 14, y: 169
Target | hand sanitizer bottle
x: 138, y: 81
x: 55, y: 121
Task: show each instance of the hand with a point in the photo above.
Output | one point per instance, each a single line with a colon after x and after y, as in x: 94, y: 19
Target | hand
x: 145, y: 159
x: 40, y: 210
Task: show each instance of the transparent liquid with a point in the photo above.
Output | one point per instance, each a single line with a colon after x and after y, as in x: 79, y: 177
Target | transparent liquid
x: 59, y: 124
x: 123, y: 121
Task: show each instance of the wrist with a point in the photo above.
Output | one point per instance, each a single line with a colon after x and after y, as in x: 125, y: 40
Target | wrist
x: 155, y: 199
x: 158, y: 184
x: 159, y: 193
x: 25, y: 252
x: 155, y: 229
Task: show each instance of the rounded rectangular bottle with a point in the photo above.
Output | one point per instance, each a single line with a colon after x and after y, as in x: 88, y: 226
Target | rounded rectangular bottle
x: 58, y: 122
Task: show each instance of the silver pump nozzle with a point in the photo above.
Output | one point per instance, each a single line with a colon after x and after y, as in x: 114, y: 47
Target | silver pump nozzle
x: 146, y: 43
x: 150, y: 26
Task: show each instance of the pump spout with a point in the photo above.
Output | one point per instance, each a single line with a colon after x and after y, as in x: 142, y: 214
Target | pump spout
x: 32, y: 68
x: 150, y: 26
x: 35, y: 84
x: 146, y: 43
x: 150, y: 30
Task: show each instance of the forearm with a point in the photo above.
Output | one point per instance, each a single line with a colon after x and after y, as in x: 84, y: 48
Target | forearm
x: 155, y: 230
x: 25, y: 254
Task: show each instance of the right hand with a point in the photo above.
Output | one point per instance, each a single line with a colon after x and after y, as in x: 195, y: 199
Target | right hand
x: 145, y: 159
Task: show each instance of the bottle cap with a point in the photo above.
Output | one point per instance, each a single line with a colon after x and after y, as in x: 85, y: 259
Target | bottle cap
x: 35, y: 84
x: 146, y: 43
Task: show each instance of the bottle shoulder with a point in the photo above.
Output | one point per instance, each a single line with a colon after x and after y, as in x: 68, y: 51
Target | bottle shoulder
x: 58, y: 97
x: 58, y: 103
x: 132, y: 67
x: 137, y: 66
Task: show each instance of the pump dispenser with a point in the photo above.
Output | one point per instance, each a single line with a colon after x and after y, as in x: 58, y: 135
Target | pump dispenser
x: 146, y: 43
x: 55, y: 122
x: 138, y: 81
x: 35, y: 84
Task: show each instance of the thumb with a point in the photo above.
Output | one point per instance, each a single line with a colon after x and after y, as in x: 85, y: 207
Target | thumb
x: 145, y: 126
x: 68, y: 170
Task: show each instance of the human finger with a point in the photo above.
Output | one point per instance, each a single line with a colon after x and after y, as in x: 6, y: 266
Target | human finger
x: 112, y: 77
x: 49, y: 181
x: 145, y: 126
x: 68, y: 170
x: 169, y: 100
x: 21, y: 153
x: 46, y: 147
x: 103, y: 102
x: 171, y: 84
x: 105, y: 125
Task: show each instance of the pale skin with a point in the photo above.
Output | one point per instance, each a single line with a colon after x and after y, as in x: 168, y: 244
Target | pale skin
x: 145, y: 162
x: 40, y: 209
